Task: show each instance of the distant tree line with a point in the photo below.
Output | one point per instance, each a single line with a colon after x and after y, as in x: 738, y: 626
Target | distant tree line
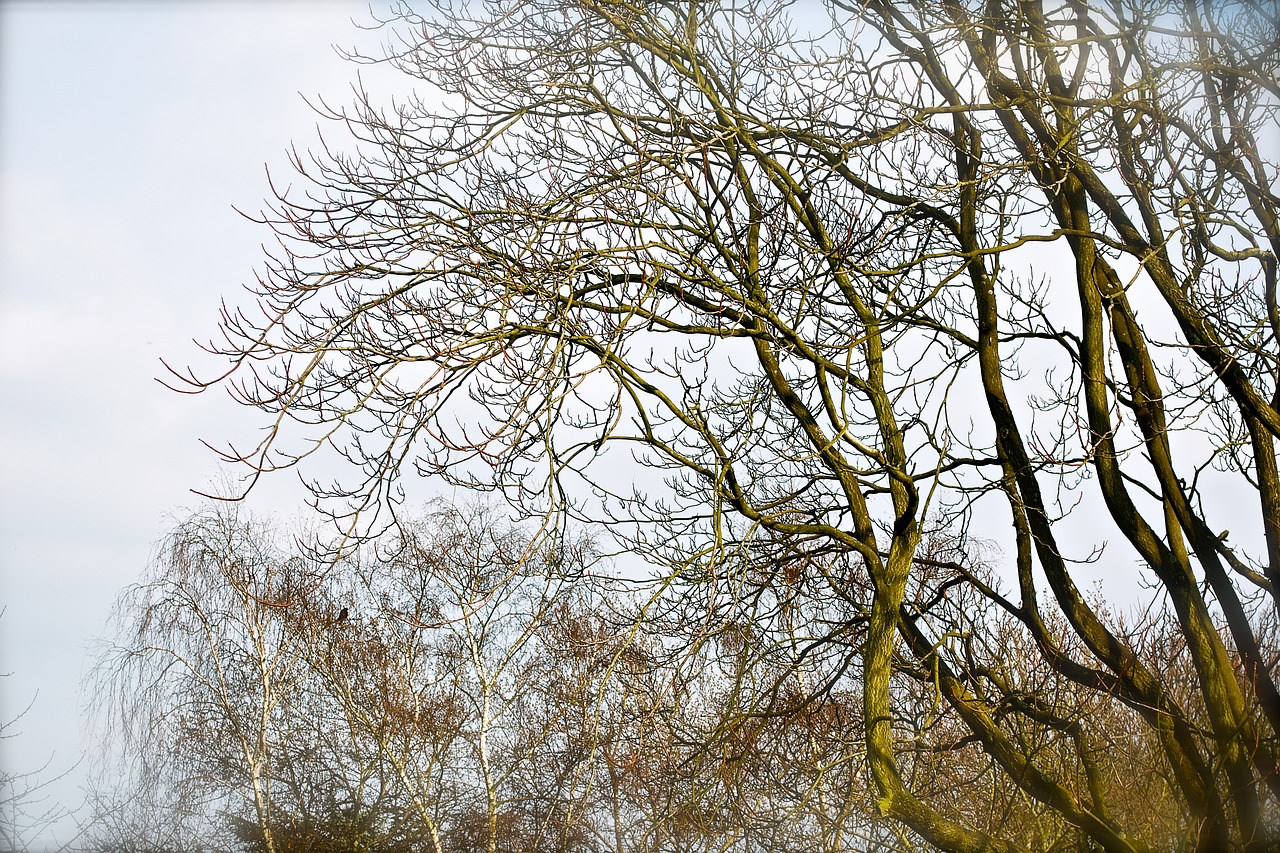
x: 489, y: 691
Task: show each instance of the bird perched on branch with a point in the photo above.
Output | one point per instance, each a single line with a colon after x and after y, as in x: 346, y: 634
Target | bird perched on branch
x: 342, y: 614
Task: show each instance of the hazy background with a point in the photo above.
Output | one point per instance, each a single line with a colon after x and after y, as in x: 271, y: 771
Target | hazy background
x: 127, y: 132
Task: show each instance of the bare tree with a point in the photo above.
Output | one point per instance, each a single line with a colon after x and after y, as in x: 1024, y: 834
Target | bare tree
x: 442, y: 668
x: 780, y: 268
x: 197, y: 682
x: 264, y: 701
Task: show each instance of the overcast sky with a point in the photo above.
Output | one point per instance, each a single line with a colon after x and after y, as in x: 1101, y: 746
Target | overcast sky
x: 128, y: 131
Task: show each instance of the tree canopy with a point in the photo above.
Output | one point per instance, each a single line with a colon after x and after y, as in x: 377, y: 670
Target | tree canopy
x: 842, y: 318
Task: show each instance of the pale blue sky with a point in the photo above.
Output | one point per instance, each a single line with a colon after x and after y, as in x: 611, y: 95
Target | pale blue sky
x: 127, y: 132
